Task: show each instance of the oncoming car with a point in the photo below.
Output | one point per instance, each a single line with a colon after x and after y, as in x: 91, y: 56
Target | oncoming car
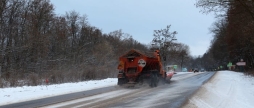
x: 195, y: 70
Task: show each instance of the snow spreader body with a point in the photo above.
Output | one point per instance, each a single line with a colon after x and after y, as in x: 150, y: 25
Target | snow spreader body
x: 139, y: 67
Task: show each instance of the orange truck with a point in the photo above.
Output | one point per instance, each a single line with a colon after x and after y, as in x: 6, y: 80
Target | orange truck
x: 139, y: 67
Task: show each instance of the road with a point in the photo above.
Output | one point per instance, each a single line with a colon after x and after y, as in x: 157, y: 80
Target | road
x: 172, y: 95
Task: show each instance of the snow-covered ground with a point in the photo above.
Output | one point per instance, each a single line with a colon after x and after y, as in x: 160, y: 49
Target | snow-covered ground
x: 19, y: 94
x: 226, y: 89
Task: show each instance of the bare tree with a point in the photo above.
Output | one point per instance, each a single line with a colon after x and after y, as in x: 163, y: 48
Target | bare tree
x: 183, y: 54
x: 178, y: 54
x: 163, y: 38
x: 222, y: 6
x: 40, y: 15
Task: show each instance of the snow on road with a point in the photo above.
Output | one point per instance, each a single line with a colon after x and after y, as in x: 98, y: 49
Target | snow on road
x: 26, y: 93
x: 87, y: 101
x: 226, y: 89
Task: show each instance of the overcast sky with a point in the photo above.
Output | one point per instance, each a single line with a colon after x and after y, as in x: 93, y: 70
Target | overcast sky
x: 140, y: 18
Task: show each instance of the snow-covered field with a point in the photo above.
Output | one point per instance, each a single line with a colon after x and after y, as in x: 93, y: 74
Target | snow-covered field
x: 226, y: 89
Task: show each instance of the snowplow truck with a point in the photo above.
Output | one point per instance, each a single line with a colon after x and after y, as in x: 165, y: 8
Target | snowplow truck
x: 137, y: 67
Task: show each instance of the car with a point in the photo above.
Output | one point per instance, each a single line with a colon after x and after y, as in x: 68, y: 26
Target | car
x: 195, y: 70
x: 184, y: 69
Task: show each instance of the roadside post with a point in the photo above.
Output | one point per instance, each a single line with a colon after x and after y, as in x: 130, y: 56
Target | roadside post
x: 241, y: 65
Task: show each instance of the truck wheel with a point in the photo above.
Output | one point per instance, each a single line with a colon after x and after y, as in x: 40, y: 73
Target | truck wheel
x: 141, y: 80
x: 154, y: 80
x: 121, y: 81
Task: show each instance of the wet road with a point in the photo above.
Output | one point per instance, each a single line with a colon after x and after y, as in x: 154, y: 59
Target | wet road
x: 172, y: 95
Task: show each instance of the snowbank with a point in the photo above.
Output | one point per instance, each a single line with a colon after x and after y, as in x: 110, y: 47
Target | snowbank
x: 19, y: 94
x: 226, y: 89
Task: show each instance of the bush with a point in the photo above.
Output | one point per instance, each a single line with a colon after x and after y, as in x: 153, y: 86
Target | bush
x: 33, y: 79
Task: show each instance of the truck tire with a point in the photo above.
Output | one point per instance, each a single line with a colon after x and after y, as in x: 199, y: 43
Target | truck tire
x: 154, y: 79
x: 122, y: 81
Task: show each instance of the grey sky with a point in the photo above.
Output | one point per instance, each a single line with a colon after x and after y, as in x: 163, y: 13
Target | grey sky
x: 140, y: 18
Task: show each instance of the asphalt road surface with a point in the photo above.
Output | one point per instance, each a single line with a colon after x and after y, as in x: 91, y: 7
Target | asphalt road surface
x: 172, y: 95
